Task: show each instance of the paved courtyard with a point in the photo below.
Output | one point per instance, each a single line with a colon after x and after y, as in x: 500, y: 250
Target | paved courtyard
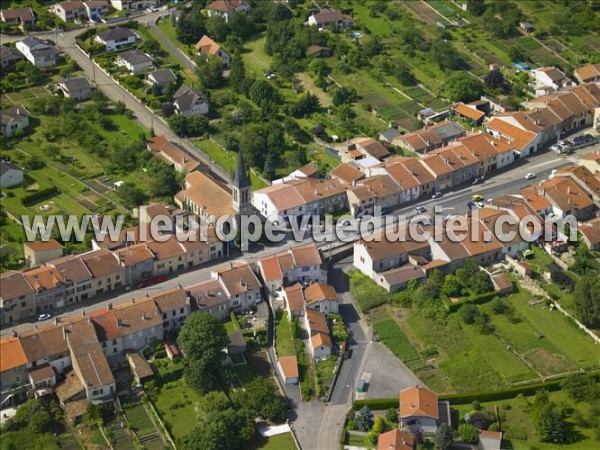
x: 388, y: 375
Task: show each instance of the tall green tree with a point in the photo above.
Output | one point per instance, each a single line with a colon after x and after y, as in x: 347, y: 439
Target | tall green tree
x: 587, y: 299
x: 462, y: 87
x: 237, y: 74
x: 443, y: 437
x: 202, y: 340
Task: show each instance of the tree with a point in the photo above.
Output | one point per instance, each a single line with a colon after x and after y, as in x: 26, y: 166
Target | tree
x: 202, y: 339
x: 445, y: 55
x: 190, y: 26
x: 215, y: 401
x: 476, y: 7
x: 344, y: 95
x: 373, y: 47
x: 443, y: 437
x: 217, y: 27
x: 552, y: 426
x: 179, y: 125
x: 165, y: 180
x: 260, y: 397
x: 237, y: 74
x: 131, y: 195
x: 495, y: 80
x: 263, y: 94
x: 391, y: 415
x: 379, y: 426
x: 320, y: 68
x: 462, y: 87
x: 516, y: 53
x: 468, y: 433
x: 587, y: 299
x: 364, y: 419
x: 197, y: 125
x: 210, y: 72
x: 468, y: 313
x: 221, y: 430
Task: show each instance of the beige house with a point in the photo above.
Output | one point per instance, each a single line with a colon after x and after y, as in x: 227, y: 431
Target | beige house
x: 41, y: 252
x: 17, y: 299
x: 107, y: 273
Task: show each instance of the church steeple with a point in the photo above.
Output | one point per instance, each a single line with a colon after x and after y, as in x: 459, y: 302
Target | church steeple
x: 240, y: 185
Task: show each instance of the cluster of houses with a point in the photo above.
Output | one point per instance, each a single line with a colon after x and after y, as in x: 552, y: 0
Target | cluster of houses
x: 571, y: 190
x: 421, y: 412
x: 450, y: 156
x: 296, y: 281
x: 75, y: 356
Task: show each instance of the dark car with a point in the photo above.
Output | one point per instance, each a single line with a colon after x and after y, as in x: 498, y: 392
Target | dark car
x: 151, y: 282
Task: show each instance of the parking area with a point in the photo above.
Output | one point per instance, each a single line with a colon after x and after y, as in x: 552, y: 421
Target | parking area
x: 388, y: 375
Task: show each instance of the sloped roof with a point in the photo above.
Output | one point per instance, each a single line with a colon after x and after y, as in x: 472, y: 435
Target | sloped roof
x: 418, y: 401
x: 295, y: 297
x: 11, y: 354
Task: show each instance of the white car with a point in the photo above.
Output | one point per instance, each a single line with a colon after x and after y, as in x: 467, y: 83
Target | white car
x: 44, y: 316
x: 530, y: 176
x: 343, y: 223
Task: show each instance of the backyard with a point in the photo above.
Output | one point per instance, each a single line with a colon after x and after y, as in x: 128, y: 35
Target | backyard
x: 521, y: 343
x: 284, y: 342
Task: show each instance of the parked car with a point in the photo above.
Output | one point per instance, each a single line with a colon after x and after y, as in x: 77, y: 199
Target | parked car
x: 44, y: 316
x: 437, y: 194
x: 151, y: 282
x: 365, y: 217
x: 478, y: 200
x: 343, y: 223
x: 420, y: 209
x: 530, y: 176
x: 478, y: 180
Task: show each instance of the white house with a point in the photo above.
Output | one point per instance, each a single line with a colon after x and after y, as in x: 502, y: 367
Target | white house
x: 322, y: 297
x: 298, y: 264
x: 69, y: 10
x: 320, y: 344
x: 95, y: 9
x: 225, y: 8
x: 207, y: 47
x: 419, y: 410
x: 134, y: 60
x: 40, y: 53
x: 10, y: 174
x: 328, y: 17
x: 13, y: 119
x: 189, y: 102
x: 116, y: 38
x: 131, y: 5
x: 548, y: 78
x: 78, y: 88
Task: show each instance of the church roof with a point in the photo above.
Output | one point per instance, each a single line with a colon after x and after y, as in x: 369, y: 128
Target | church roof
x: 240, y: 177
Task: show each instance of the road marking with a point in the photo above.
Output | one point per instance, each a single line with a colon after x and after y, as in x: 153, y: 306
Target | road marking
x: 547, y: 162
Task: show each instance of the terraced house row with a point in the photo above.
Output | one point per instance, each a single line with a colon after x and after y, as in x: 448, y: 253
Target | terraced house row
x: 75, y: 356
x: 572, y: 190
x: 58, y: 281
x: 369, y: 177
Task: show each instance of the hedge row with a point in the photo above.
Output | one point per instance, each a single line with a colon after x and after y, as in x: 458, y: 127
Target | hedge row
x: 476, y: 300
x: 461, y: 399
x: 38, y: 196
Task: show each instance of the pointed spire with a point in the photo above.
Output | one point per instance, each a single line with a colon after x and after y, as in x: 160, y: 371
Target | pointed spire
x: 240, y: 177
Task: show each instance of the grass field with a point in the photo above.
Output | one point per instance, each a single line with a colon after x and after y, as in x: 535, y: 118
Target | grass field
x: 517, y: 416
x: 284, y: 342
x: 283, y: 441
x: 255, y: 58
x: 179, y: 406
x: 227, y: 160
x: 527, y: 343
x: 393, y: 338
x: 366, y: 293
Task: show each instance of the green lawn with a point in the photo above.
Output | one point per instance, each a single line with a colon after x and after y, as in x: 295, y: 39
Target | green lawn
x: 244, y: 373
x: 284, y: 342
x: 227, y: 160
x: 517, y: 416
x: 179, y: 407
x: 283, y: 441
x: 393, y: 338
x: 367, y: 294
x: 167, y: 28
x: 255, y: 58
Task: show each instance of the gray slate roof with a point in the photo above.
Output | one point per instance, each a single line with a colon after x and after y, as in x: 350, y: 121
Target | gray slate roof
x: 390, y: 134
x: 14, y: 112
x: 164, y: 76
x: 75, y: 84
x: 135, y: 57
x: 5, y: 166
x: 116, y: 34
x: 6, y: 52
x: 452, y: 129
x: 186, y: 97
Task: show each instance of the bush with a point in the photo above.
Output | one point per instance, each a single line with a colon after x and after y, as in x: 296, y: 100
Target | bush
x: 515, y: 433
x: 468, y: 433
x: 36, y: 197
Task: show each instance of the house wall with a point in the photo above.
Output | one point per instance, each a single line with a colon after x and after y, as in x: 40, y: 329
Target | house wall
x: 13, y: 378
x: 14, y: 309
x: 79, y: 291
x: 108, y: 282
x: 37, y: 258
x: 113, y: 45
x: 135, y: 273
x: 12, y: 127
x: 48, y: 299
x: 319, y: 352
x: 326, y: 306
x: 168, y: 265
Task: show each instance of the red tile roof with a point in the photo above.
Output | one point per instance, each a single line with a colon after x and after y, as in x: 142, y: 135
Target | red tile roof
x: 418, y: 401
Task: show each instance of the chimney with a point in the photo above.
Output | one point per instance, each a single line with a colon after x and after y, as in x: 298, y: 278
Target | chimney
x: 64, y: 333
x: 15, y: 334
x: 133, y: 300
x: 56, y: 321
x: 119, y: 322
x: 144, y: 316
x: 109, y: 306
x: 82, y: 312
